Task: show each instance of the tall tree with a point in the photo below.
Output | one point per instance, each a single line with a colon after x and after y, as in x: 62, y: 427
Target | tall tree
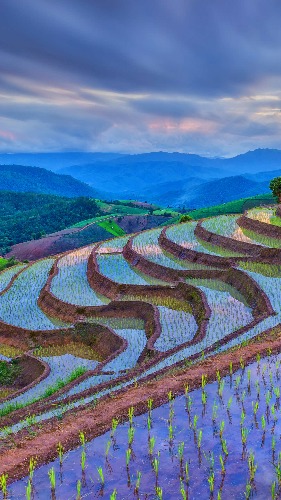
x: 275, y: 186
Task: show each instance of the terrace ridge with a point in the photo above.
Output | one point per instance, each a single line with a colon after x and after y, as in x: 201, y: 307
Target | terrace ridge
x: 260, y: 227
x: 260, y: 253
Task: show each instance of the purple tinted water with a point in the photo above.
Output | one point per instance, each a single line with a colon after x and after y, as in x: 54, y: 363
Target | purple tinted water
x: 262, y: 388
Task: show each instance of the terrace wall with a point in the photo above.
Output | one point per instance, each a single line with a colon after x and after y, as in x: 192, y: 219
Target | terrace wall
x: 39, y: 370
x: 180, y: 291
x: 191, y: 255
x: 148, y: 267
x: 241, y: 281
x: 259, y: 227
x: 261, y: 254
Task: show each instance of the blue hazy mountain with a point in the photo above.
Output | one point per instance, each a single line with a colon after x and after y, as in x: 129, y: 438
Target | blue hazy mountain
x: 161, y: 177
x: 39, y: 180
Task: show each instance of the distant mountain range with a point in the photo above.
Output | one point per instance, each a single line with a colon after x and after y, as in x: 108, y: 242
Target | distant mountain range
x: 213, y: 192
x: 174, y: 179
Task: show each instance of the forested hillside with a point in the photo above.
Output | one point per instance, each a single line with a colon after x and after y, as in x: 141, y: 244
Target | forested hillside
x: 39, y: 180
x: 27, y: 216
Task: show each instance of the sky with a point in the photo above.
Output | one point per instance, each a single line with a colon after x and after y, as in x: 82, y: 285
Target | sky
x: 132, y: 76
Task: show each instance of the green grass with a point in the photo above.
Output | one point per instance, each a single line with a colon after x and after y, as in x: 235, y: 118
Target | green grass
x: 5, y: 263
x: 111, y: 227
x: 166, y: 211
x: 101, y: 218
x: 120, y: 209
x: 260, y: 238
x: 85, y: 222
x: 276, y: 221
x: 8, y: 372
x: 272, y: 271
x: 233, y: 207
x: 60, y: 383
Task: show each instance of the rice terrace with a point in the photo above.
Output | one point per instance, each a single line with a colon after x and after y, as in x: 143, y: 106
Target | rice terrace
x: 140, y: 250
x: 149, y: 365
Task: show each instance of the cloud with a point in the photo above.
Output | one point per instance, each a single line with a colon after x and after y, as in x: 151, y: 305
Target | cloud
x: 136, y: 76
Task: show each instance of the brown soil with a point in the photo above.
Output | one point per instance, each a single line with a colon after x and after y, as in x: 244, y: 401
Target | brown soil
x: 136, y: 223
x: 30, y: 369
x: 17, y: 452
x: 72, y: 238
x: 51, y: 244
x: 31, y: 372
x: 259, y: 227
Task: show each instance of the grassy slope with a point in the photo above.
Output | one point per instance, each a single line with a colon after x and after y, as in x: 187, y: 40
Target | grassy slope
x: 233, y: 207
x: 120, y: 209
x: 112, y: 227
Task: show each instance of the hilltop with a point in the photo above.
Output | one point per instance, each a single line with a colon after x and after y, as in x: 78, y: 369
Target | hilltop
x: 20, y: 178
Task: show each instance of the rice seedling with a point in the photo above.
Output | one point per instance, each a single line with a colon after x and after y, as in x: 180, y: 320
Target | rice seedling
x: 101, y: 475
x: 114, y: 425
x: 128, y: 456
x: 131, y: 415
x: 82, y: 439
x: 273, y: 490
x: 214, y: 411
x: 138, y: 480
x: 151, y: 445
x: 78, y: 490
x: 28, y: 490
x: 182, y: 490
x: 52, y: 478
x: 195, y: 420
x: 224, y: 446
x: 3, y: 484
x: 159, y: 492
x: 131, y: 434
x: 83, y: 460
x: 148, y: 422
x: 222, y: 463
x: 180, y: 452
x: 60, y: 451
x: 252, y: 466
x: 187, y: 475
x: 211, y: 481
x: 32, y: 465
x: 113, y: 495
x: 199, y: 438
x: 108, y: 446
x: 244, y: 435
x: 224, y: 454
x: 155, y: 465
x: 248, y: 491
x: 222, y: 426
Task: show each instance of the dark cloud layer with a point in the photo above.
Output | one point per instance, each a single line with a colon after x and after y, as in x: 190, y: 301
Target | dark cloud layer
x: 124, y: 75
